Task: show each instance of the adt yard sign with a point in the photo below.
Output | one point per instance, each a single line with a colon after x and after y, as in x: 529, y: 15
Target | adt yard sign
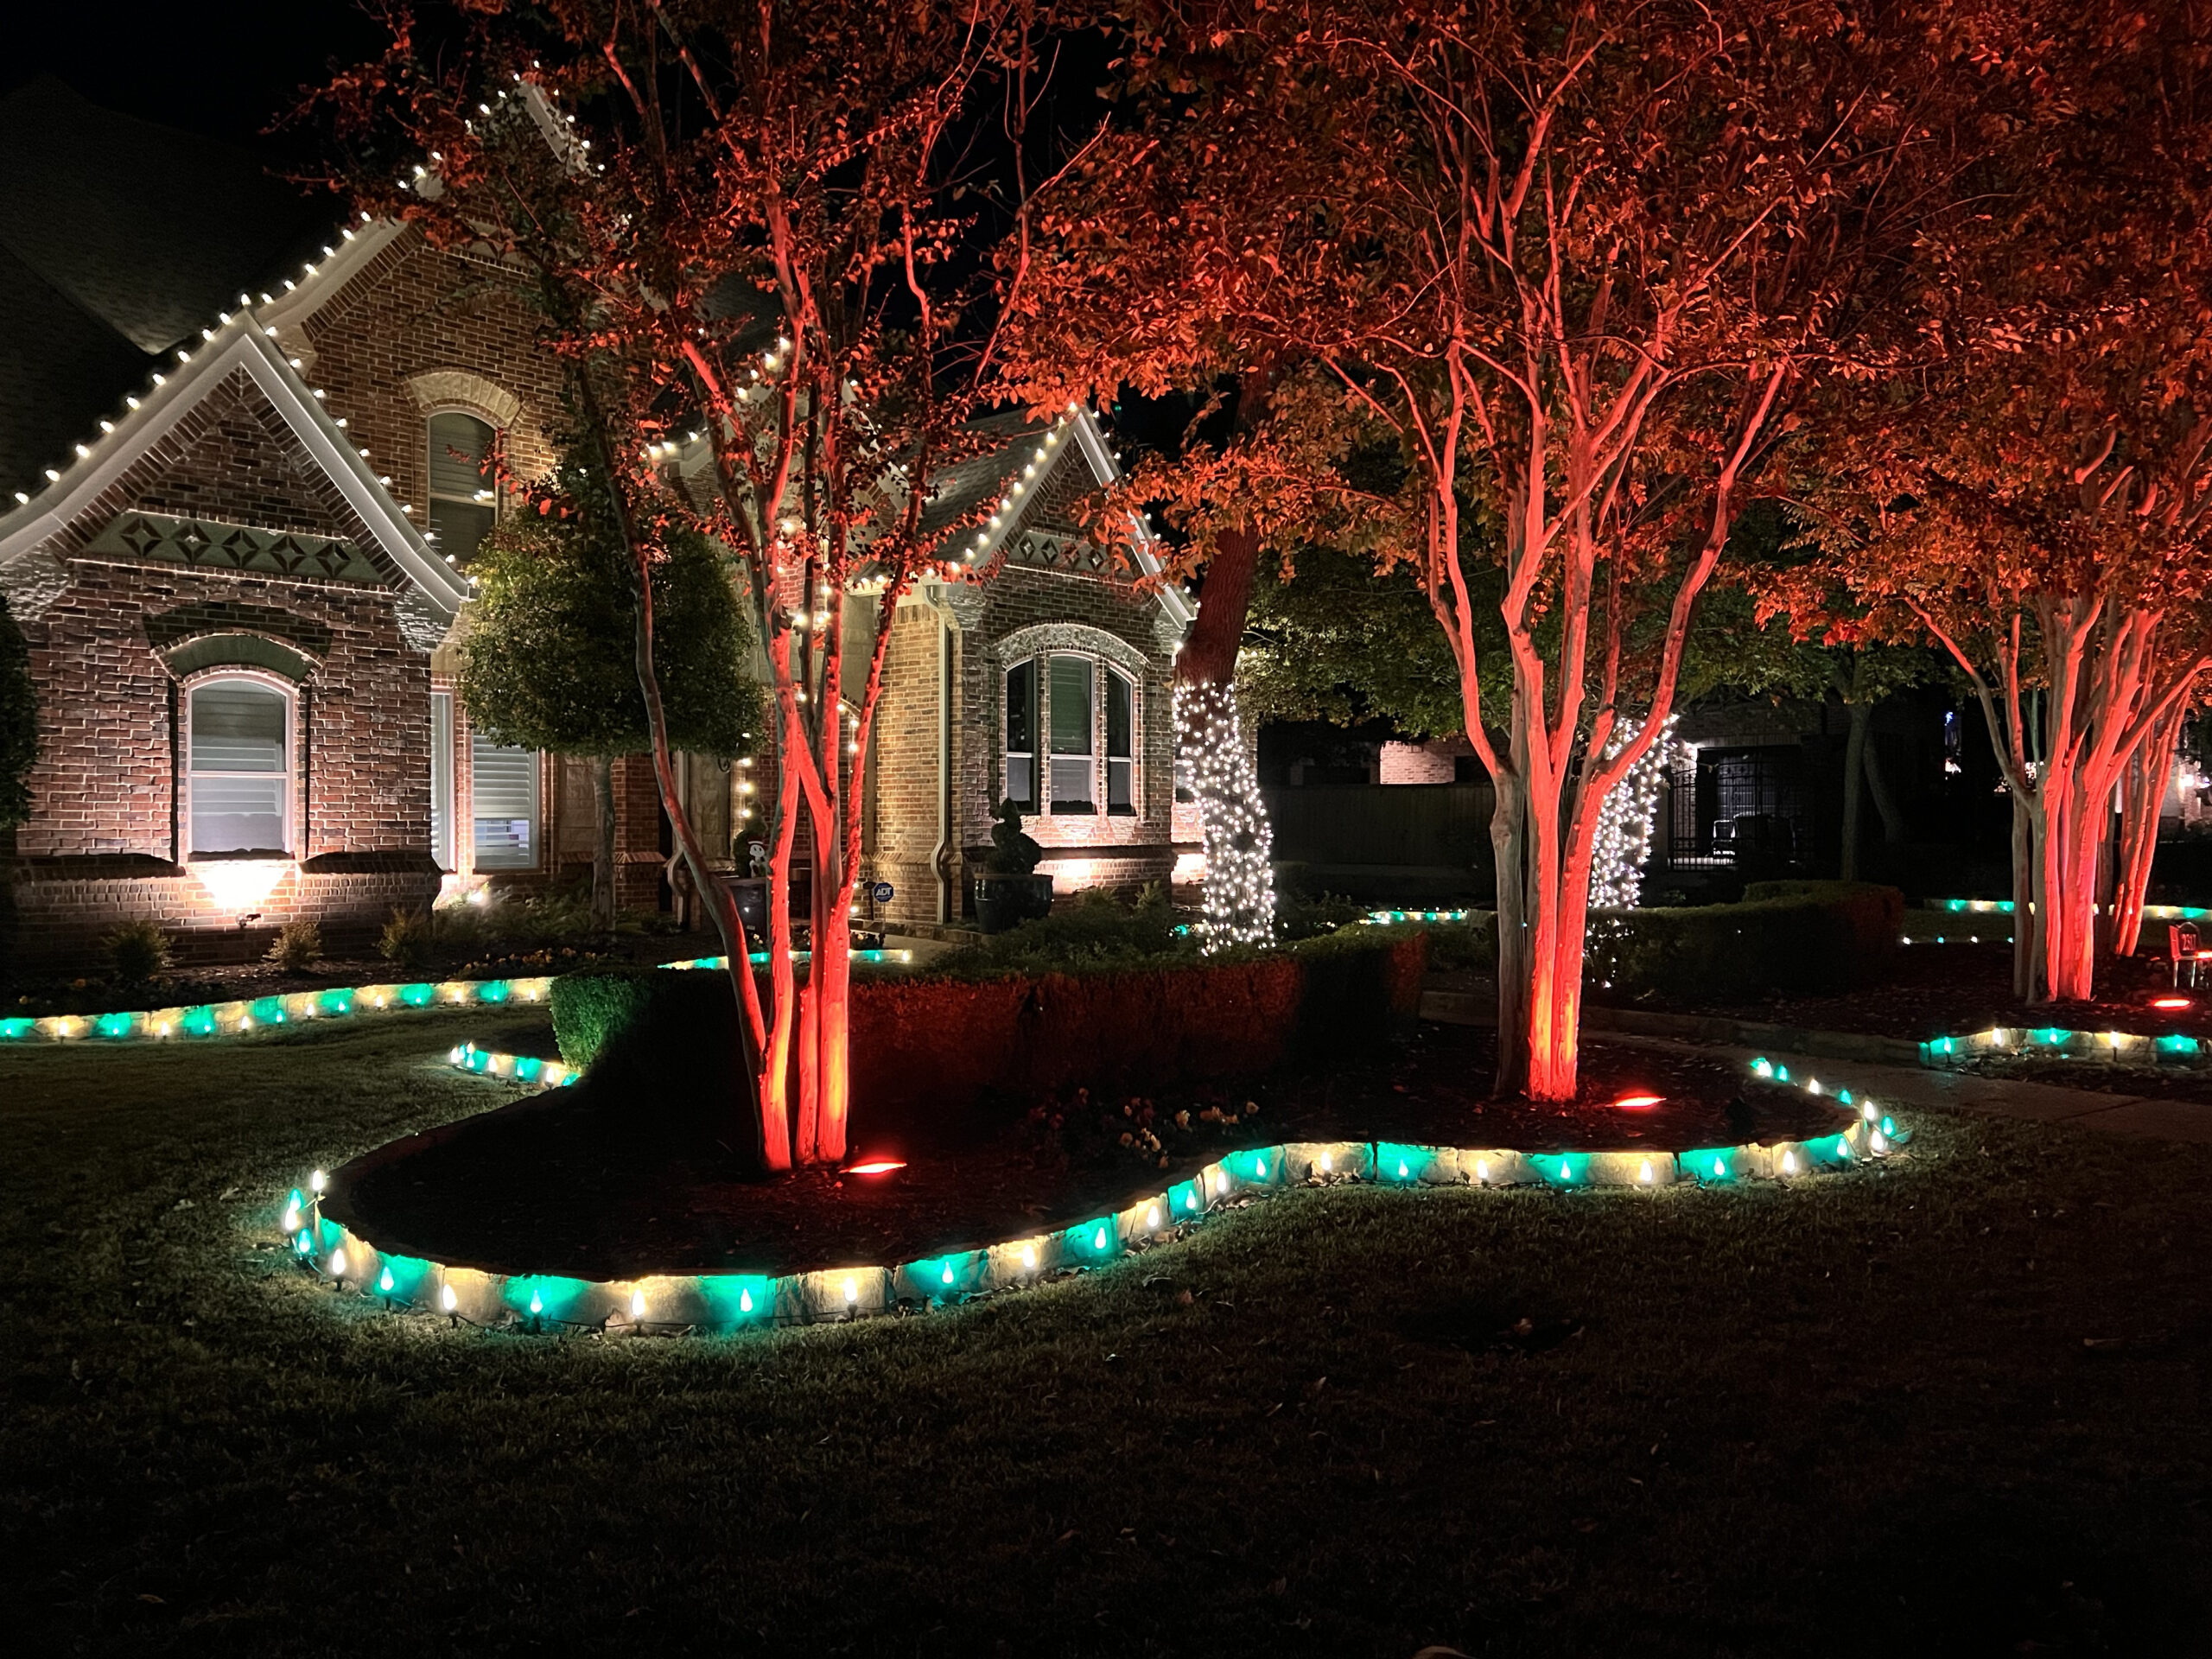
x: 882, y: 892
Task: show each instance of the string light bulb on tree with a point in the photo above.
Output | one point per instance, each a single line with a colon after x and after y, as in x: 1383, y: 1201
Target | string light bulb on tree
x: 1240, y: 889
x: 1624, y: 821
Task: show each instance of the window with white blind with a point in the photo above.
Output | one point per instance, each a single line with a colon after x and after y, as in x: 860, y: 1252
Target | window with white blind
x: 239, y: 744
x: 442, y: 780
x: 1075, y: 733
x: 1085, y: 711
x: 463, y: 504
x: 505, y: 787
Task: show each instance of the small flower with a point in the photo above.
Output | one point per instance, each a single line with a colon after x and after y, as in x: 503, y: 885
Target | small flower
x: 1128, y: 1139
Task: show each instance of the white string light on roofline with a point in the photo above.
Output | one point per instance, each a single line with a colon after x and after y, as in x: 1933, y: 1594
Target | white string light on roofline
x: 109, y: 430
x: 1240, y: 887
x: 1624, y: 820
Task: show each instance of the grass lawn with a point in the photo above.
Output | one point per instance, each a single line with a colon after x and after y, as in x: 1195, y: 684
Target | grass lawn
x: 1957, y: 1405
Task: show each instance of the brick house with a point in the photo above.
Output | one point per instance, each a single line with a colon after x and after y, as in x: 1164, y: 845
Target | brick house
x: 241, y: 486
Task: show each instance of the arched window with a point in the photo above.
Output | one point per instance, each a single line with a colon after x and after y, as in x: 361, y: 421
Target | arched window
x: 238, y: 741
x: 463, y: 504
x: 1085, y: 710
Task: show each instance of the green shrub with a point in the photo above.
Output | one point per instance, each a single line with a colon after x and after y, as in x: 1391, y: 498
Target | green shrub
x: 1096, y: 931
x: 946, y: 1041
x: 138, y: 951
x: 1299, y: 916
x: 543, y: 919
x: 296, y: 948
x: 1795, y: 936
x: 590, y: 1007
x: 1469, y: 946
x: 1356, y: 985
x: 406, y: 939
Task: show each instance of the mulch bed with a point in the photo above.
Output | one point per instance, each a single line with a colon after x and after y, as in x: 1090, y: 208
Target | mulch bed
x: 602, y: 1182
x: 1949, y: 990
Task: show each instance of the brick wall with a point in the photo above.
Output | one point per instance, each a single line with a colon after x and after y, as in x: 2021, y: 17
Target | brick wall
x: 1433, y: 762
x: 906, y: 767
x: 1012, y: 613
x: 106, y: 779
x: 417, y: 311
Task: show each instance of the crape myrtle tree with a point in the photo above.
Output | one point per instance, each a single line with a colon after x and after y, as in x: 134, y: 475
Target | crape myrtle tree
x: 1596, y: 252
x: 742, y: 223
x: 549, y: 661
x: 2039, y: 501
x: 2143, y: 789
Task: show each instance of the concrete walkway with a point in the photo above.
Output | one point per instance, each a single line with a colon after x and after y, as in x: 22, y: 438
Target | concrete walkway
x: 1958, y: 1091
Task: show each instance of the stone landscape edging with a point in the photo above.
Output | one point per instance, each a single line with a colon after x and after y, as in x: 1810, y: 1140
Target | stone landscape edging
x: 691, y: 1302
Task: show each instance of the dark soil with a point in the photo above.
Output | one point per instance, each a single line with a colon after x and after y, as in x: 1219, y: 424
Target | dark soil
x: 608, y: 1181
x: 1948, y: 990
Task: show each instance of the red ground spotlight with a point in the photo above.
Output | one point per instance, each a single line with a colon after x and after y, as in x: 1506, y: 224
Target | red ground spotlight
x: 874, y: 1166
x: 1639, y: 1103
x: 2169, y: 1003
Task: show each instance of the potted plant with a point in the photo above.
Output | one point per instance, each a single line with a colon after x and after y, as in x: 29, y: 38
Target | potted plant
x: 1010, y: 892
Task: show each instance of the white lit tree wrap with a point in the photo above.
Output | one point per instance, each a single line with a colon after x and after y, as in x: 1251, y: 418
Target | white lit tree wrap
x: 1624, y: 821
x: 1240, y: 885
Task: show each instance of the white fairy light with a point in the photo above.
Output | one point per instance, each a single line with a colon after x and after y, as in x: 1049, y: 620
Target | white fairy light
x: 1623, y: 836
x: 1240, y: 890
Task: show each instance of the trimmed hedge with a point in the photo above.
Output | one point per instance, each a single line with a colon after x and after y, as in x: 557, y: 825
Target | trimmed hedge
x: 1798, y: 937
x: 919, y: 1039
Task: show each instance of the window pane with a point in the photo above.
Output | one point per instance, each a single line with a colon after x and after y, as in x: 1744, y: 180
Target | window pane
x: 1118, y: 701
x: 1072, y: 713
x: 1021, y: 709
x: 238, y: 815
x: 457, y: 526
x: 460, y: 447
x: 506, y: 806
x: 236, y: 727
x: 1071, y: 784
x: 1021, y: 780
x: 1118, y: 775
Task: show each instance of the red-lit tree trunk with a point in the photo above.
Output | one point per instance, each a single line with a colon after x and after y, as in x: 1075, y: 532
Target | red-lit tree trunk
x: 2142, y: 793
x: 2106, y: 690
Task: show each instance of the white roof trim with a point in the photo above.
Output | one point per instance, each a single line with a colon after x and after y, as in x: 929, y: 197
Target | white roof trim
x: 320, y: 284
x: 240, y: 344
x: 1107, y: 470
x: 1104, y: 471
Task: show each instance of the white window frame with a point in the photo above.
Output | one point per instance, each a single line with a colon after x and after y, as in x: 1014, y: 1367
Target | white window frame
x: 288, y: 791
x: 443, y: 801
x: 1041, y: 760
x: 1111, y: 676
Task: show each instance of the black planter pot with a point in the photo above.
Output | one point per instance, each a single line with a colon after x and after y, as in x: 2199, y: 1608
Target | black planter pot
x: 1007, y: 901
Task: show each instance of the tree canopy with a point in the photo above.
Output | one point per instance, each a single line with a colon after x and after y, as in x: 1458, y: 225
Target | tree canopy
x: 549, y: 663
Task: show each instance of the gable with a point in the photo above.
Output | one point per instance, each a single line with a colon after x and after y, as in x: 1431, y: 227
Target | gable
x: 1042, y: 479
x: 230, y: 459
x: 234, y: 460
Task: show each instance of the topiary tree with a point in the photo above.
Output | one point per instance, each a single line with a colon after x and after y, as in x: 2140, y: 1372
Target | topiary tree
x: 549, y: 663
x: 18, y: 722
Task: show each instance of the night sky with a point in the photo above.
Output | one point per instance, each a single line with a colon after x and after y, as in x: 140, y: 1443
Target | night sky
x: 224, y: 70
